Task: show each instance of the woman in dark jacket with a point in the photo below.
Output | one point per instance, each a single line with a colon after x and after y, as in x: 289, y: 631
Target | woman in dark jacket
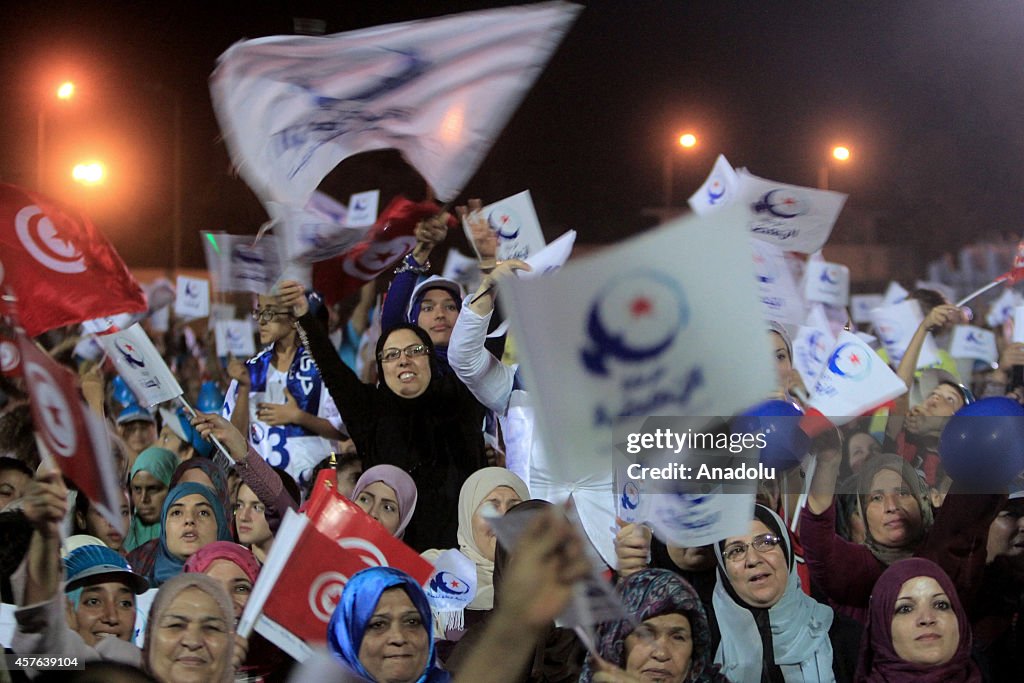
x: 417, y: 418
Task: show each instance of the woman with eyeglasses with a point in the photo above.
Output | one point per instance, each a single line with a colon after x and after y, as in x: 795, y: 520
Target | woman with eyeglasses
x: 417, y: 418
x: 771, y: 630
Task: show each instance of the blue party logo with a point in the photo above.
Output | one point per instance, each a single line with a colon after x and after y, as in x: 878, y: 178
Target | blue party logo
x: 716, y: 190
x: 505, y: 222
x: 130, y: 354
x: 448, y: 583
x: 817, y: 346
x: 781, y: 204
x: 630, y: 496
x: 851, y: 361
x: 191, y: 290
x: 830, y: 275
x: 765, y: 270
x: 890, y: 331
x: 634, y: 319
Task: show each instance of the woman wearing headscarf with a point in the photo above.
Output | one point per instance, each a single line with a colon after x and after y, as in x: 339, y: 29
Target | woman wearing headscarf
x: 771, y: 630
x: 192, y: 518
x: 381, y: 629
x: 666, y: 638
x: 190, y: 635
x: 418, y: 419
x: 917, y: 629
x: 149, y: 480
x: 387, y: 494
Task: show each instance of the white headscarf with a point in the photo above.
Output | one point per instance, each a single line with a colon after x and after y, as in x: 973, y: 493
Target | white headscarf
x: 799, y: 625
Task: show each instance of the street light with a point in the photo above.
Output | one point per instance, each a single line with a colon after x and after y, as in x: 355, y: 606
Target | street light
x: 687, y: 141
x: 839, y: 153
x: 65, y: 92
x: 89, y: 173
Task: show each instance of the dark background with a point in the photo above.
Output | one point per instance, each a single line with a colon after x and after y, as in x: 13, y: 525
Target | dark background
x: 928, y: 94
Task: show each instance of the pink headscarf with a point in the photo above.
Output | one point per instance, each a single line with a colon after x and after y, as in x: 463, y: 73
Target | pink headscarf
x: 400, y: 482
x: 201, y: 560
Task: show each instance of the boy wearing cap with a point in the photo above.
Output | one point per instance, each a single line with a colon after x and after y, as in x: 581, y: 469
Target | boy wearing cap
x: 95, y: 617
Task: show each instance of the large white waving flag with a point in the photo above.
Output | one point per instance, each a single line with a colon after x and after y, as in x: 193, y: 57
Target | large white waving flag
x: 854, y: 380
x: 438, y: 90
x: 791, y: 217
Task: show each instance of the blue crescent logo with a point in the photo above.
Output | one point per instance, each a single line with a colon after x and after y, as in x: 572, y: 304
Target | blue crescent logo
x: 190, y: 290
x: 630, y: 496
x: 765, y: 271
x: 830, y: 275
x: 506, y: 223
x: 233, y: 335
x: 360, y: 205
x: 128, y: 352
x: 817, y: 348
x: 716, y: 190
x: 781, y: 204
x: 446, y: 582
x: 634, y: 319
x: 850, y: 360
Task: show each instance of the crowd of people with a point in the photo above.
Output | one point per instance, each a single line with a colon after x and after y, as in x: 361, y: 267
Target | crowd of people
x: 888, y: 571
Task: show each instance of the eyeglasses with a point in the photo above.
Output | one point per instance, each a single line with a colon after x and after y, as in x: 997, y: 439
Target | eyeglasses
x: 393, y: 354
x: 762, y: 544
x: 265, y: 315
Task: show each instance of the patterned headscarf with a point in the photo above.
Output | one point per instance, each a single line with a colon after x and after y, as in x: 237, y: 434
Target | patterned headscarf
x: 653, y: 593
x: 356, y: 607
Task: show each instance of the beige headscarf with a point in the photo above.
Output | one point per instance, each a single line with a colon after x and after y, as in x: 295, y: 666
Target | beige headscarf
x: 172, y: 589
x: 474, y: 491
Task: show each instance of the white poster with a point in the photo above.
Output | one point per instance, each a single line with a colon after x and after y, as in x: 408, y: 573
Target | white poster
x: 192, y: 298
x: 514, y: 221
x: 853, y: 381
x: 791, y: 217
x: 974, y: 342
x: 362, y: 209
x: 828, y: 283
x: 140, y: 365
x: 777, y: 291
x: 861, y: 306
x: 896, y: 325
x: 234, y: 337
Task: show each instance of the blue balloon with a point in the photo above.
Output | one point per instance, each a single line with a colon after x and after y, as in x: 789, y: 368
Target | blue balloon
x: 122, y: 394
x: 779, y: 421
x: 210, y: 399
x: 982, y: 445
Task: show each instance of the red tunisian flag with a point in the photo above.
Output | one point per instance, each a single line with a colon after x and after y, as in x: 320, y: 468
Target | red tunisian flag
x: 307, y: 569
x: 74, y: 437
x: 390, y: 238
x: 59, y: 265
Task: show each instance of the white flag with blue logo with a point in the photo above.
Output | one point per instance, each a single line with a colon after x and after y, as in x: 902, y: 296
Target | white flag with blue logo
x: 192, y: 298
x: 853, y: 381
x: 718, y: 190
x: 812, y: 346
x: 793, y: 218
x: 1001, y: 310
x: 660, y: 325
x: 317, y: 231
x: 894, y: 294
x: 861, y: 306
x: 780, y: 298
x: 827, y: 282
x: 463, y: 269
x: 140, y: 365
x: 896, y: 325
x: 362, y: 209
x: 438, y: 90
x: 234, y: 337
x: 974, y: 342
x: 514, y: 221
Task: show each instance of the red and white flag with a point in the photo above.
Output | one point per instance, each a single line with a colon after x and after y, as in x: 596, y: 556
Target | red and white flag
x: 438, y: 90
x: 74, y: 437
x: 59, y: 265
x: 307, y: 569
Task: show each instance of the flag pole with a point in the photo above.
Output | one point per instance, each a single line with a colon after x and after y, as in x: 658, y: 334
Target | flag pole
x: 978, y: 292
x: 216, y: 442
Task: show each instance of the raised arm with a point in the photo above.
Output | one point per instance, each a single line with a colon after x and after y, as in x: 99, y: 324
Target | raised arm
x: 938, y: 317
x: 429, y: 234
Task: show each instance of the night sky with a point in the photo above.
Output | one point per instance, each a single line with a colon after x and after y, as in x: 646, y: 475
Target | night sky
x: 929, y: 96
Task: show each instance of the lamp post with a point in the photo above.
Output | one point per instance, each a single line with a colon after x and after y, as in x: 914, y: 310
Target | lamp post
x: 687, y: 141
x: 839, y: 153
x: 65, y: 92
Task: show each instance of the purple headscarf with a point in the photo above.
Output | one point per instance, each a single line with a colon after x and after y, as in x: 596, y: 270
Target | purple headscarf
x: 400, y: 482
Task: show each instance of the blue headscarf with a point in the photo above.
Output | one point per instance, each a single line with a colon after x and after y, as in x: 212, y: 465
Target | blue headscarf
x: 169, y: 565
x: 356, y: 607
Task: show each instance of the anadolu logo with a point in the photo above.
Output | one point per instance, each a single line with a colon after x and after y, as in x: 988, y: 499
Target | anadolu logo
x: 630, y: 496
x: 324, y: 594
x: 371, y: 555
x: 447, y: 583
x: 851, y: 361
x: 634, y: 319
x: 716, y: 190
x: 505, y: 222
x: 45, y: 244
x: 58, y: 426
x: 130, y: 354
x: 10, y: 356
x: 782, y: 204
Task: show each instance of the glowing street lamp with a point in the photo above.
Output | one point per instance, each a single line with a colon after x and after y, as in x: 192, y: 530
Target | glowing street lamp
x: 89, y: 173
x: 840, y: 153
x: 65, y: 92
x: 688, y: 141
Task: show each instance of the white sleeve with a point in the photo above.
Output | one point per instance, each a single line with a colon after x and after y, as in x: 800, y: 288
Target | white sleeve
x: 487, y: 378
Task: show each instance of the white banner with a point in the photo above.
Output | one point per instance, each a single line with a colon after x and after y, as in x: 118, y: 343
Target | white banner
x: 896, y: 325
x: 140, y: 365
x: 515, y: 223
x: 791, y: 217
x: 718, y: 190
x: 234, y: 337
x: 438, y: 90
x: 861, y: 306
x: 315, y: 232
x: 828, y: 283
x: 854, y: 380
x: 974, y: 342
x: 894, y: 294
x: 780, y: 298
x: 192, y: 298
x: 641, y: 331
